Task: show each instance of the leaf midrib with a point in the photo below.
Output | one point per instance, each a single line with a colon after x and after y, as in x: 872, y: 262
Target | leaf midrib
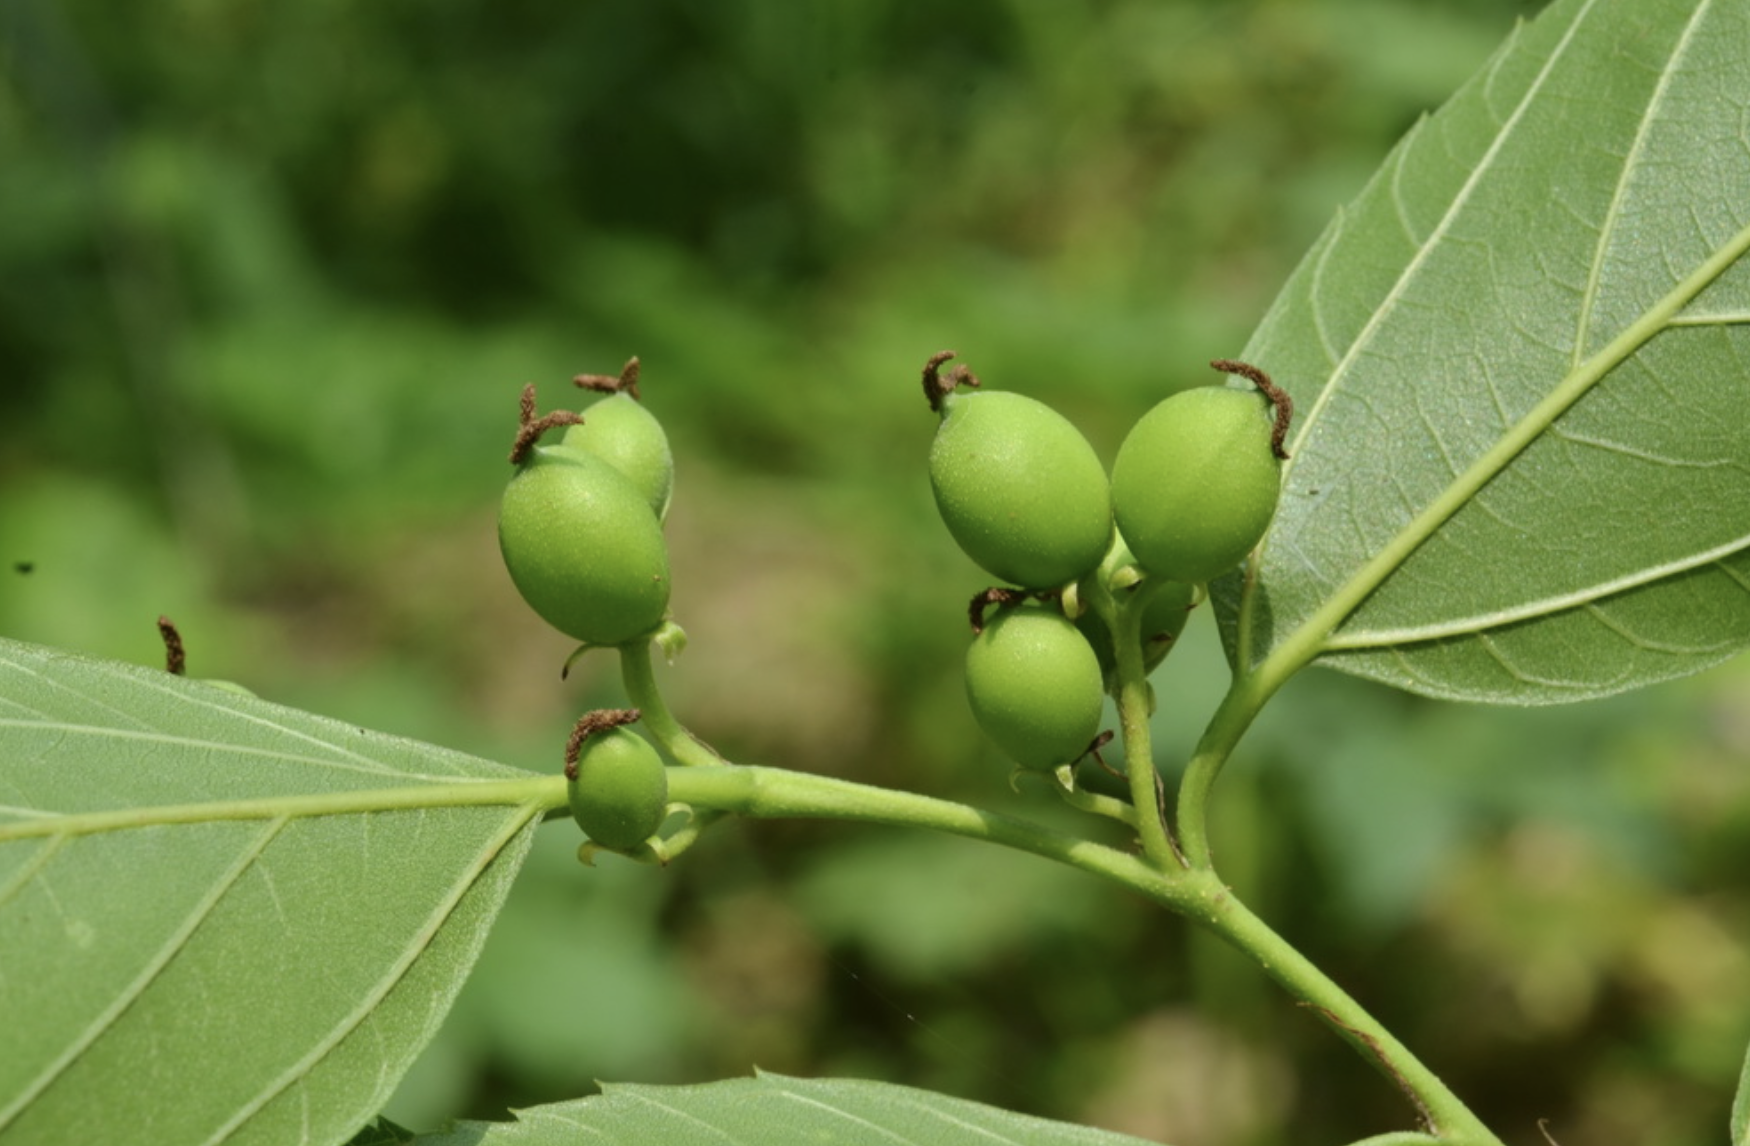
x: 455, y: 792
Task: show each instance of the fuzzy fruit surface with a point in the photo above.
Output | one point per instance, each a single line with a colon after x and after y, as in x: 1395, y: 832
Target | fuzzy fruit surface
x: 1021, y: 491
x: 1035, y: 686
x: 620, y: 431
x: 583, y: 547
x: 620, y: 795
x: 1195, y: 483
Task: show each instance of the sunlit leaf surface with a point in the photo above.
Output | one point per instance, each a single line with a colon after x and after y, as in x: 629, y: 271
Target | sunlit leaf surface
x: 1522, y: 468
x: 259, y: 979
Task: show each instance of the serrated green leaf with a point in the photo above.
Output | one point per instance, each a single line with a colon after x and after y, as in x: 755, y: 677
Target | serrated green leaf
x: 199, y: 942
x: 1521, y: 472
x: 772, y: 1108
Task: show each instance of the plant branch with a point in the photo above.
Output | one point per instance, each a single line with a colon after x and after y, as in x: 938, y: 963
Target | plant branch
x: 1237, y: 711
x: 1200, y: 896
x: 777, y: 793
x: 1135, y: 702
x: 1443, y: 1114
x: 639, y: 676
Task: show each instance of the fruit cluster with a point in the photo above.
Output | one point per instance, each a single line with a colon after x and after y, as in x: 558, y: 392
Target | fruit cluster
x: 1192, y: 491
x: 581, y: 522
x: 580, y: 529
x: 1095, y: 570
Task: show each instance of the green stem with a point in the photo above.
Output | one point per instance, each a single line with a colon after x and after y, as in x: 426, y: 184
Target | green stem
x: 1443, y: 1114
x: 1097, y: 805
x: 1122, y: 615
x: 1237, y: 710
x: 777, y: 793
x: 1134, y: 703
x: 639, y: 676
x: 1252, y: 686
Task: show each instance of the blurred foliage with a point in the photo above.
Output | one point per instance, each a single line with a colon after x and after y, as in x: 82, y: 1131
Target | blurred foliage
x: 270, y: 279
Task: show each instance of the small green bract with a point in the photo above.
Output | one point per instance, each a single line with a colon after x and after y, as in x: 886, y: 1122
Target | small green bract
x: 1020, y: 489
x: 620, y: 795
x: 1195, y: 483
x: 620, y: 431
x: 583, y: 547
x: 1035, y: 686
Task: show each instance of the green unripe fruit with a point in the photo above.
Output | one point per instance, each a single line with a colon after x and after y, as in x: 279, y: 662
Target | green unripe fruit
x: 620, y: 431
x: 1196, y: 483
x: 1035, y: 686
x: 620, y: 796
x: 583, y: 547
x: 1020, y: 489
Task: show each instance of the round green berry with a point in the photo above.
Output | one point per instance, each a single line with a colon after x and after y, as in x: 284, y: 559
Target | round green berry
x: 620, y: 431
x: 1020, y: 489
x: 1196, y: 483
x: 583, y: 547
x: 1035, y: 686
x: 620, y: 795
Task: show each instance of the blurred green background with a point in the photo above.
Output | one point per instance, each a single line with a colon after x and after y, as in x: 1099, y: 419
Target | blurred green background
x: 271, y: 277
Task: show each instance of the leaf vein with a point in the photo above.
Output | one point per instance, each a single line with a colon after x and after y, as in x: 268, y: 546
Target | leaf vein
x: 1504, y: 132
x: 1355, y: 639
x: 149, y: 972
x: 1631, y: 167
x: 366, y: 1007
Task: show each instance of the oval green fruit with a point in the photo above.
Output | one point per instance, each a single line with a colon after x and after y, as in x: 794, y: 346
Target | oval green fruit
x: 1035, y: 686
x: 583, y: 547
x: 620, y: 796
x: 1195, y: 483
x: 620, y: 431
x: 1021, y: 491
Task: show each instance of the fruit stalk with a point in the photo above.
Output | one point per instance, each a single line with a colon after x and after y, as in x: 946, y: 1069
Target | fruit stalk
x: 639, y: 677
x: 1134, y: 703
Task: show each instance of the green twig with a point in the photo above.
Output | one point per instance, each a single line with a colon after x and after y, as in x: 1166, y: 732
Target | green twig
x: 1442, y: 1113
x: 777, y: 793
x: 1135, y: 700
x: 1238, y: 708
x: 639, y: 676
x: 1095, y: 804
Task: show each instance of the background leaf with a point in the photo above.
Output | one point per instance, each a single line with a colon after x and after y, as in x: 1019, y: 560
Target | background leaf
x: 236, y: 980
x: 1516, y: 479
x: 772, y: 1107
